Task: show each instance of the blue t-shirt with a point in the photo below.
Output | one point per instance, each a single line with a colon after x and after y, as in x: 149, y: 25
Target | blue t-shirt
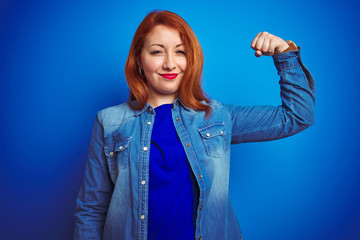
x: 173, y: 191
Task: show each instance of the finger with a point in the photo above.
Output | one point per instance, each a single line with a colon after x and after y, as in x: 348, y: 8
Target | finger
x: 259, y: 42
x: 272, y: 47
x: 253, y: 43
x: 258, y: 53
x: 265, y: 46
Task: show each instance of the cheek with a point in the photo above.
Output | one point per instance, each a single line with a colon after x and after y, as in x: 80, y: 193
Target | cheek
x: 151, y: 64
x: 182, y: 65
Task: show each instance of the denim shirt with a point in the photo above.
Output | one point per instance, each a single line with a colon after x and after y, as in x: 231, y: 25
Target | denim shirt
x: 113, y: 199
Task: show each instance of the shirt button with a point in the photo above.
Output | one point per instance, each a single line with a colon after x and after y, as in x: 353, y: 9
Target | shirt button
x: 221, y: 132
x: 200, y: 176
x: 145, y: 148
x: 142, y: 217
x: 148, y: 123
x: 208, y: 134
x: 143, y: 182
x: 201, y: 207
x: 111, y: 153
x: 188, y: 144
x: 199, y: 237
x: 121, y: 147
x: 177, y: 119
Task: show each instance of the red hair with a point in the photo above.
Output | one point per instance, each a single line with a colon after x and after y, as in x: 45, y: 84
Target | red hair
x: 190, y: 91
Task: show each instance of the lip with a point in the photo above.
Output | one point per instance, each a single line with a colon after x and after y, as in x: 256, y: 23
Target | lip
x: 169, y: 75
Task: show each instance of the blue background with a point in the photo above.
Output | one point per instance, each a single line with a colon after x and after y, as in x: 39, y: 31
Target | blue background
x: 62, y: 61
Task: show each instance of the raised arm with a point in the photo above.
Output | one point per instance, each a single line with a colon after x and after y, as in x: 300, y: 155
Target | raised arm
x: 96, y: 190
x: 263, y: 123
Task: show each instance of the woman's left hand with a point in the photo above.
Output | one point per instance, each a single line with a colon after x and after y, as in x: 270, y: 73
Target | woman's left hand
x: 267, y: 44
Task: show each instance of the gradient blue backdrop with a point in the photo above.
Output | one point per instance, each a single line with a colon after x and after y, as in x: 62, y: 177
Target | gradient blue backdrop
x: 62, y: 61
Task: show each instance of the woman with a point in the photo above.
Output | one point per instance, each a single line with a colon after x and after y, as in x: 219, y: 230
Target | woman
x: 158, y: 166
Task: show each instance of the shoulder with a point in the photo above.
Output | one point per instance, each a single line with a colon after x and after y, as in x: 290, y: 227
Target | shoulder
x: 214, y: 103
x: 115, y: 115
x: 217, y: 106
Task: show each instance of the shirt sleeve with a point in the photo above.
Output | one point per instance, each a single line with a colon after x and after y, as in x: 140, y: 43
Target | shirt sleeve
x: 296, y: 113
x: 95, y: 193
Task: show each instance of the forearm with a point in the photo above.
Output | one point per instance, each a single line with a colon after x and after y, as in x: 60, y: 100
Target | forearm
x: 92, y: 206
x: 297, y: 85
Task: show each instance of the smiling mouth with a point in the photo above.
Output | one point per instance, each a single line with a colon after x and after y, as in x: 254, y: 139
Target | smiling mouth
x: 169, y: 75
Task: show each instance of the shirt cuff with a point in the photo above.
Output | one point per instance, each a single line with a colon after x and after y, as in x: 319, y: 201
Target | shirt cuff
x: 286, y: 60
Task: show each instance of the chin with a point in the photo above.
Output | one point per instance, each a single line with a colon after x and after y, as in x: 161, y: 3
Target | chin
x: 168, y: 93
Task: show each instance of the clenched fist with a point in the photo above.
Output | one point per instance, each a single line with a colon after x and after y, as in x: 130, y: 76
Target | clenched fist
x: 267, y: 44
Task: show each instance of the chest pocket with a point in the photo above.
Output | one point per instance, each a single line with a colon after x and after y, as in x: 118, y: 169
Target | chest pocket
x: 117, y: 155
x: 213, y: 139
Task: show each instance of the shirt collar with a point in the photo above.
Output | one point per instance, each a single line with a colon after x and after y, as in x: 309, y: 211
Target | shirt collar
x: 148, y: 107
x: 141, y: 111
x: 179, y: 102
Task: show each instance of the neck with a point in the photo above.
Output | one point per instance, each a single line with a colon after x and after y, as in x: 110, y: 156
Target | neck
x: 156, y: 101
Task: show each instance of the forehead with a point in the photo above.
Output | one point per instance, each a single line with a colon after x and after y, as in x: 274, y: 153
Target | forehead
x: 163, y: 35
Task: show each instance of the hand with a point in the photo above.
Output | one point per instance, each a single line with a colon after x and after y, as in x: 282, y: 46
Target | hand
x: 267, y: 44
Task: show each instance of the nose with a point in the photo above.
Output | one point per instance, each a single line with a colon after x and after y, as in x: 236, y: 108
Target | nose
x: 169, y: 62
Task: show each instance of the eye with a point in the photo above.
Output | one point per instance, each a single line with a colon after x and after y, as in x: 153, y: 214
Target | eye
x: 154, y: 52
x: 181, y: 52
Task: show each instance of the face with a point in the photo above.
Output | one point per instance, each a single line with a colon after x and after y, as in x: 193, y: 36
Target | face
x: 163, y: 60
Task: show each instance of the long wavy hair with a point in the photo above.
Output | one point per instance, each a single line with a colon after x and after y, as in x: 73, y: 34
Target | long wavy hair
x: 190, y: 91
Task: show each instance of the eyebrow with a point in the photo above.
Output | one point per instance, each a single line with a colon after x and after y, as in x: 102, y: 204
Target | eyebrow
x: 160, y: 45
